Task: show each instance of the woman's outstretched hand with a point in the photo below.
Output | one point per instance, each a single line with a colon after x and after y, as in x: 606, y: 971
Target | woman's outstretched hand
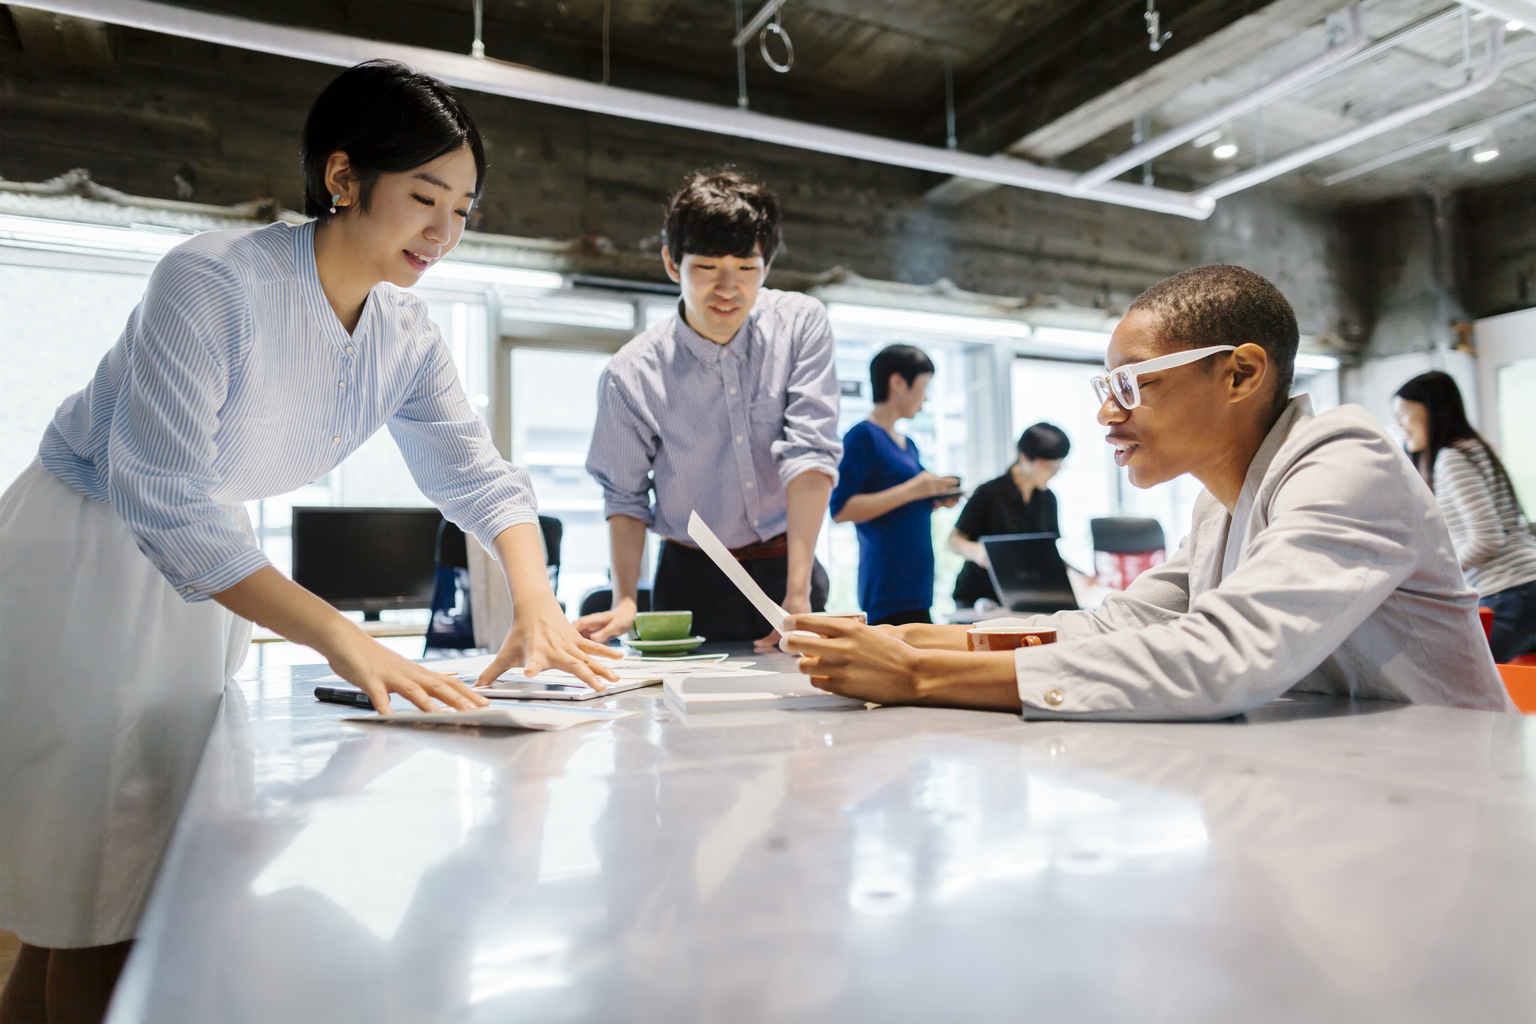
x: 542, y: 637
x: 379, y: 672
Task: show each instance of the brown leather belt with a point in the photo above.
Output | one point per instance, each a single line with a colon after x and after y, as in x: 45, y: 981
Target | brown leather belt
x: 773, y: 547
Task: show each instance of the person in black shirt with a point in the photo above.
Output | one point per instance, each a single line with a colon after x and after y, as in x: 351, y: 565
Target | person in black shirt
x: 1016, y: 502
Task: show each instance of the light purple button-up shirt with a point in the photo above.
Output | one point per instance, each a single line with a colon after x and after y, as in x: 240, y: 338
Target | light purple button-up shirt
x: 718, y: 428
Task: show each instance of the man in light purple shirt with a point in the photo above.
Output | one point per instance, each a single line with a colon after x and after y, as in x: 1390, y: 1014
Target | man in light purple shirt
x: 729, y: 409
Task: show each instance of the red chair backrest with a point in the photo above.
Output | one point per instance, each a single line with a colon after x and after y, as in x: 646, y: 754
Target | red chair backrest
x: 1118, y: 570
x: 1520, y: 681
x: 1486, y: 614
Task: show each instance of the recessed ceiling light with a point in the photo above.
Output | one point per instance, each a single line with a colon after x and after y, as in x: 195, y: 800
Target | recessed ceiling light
x: 1514, y: 26
x: 1482, y: 156
x: 1209, y: 138
x: 1225, y: 151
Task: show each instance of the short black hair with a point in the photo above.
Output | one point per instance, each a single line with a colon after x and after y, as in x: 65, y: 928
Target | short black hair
x: 1222, y: 304
x: 908, y: 360
x: 387, y: 119
x: 722, y: 213
x: 1044, y: 441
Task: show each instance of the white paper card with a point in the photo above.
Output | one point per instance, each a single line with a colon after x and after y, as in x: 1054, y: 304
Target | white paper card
x: 718, y: 553
x: 518, y: 716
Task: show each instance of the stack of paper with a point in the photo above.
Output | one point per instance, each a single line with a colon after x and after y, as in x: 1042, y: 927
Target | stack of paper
x: 702, y: 693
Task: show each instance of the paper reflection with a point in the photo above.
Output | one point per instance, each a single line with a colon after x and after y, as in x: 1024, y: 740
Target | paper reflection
x: 368, y: 862
x: 516, y: 965
x: 577, y: 801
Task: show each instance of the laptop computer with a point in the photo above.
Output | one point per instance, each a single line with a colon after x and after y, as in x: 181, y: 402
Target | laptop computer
x: 1028, y: 574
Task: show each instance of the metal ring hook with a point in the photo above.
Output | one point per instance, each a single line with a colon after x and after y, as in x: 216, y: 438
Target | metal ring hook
x: 789, y: 47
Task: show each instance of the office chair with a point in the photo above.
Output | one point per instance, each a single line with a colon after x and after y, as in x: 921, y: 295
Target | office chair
x: 1124, y: 548
x: 600, y: 599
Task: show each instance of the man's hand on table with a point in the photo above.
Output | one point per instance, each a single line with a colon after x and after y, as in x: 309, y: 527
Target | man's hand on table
x: 604, y: 626
x: 542, y: 638
x: 871, y: 663
x: 795, y: 606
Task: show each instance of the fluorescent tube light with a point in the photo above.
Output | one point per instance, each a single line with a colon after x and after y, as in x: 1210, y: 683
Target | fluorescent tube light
x: 909, y: 320
x: 72, y: 236
x: 1310, y: 361
x: 1092, y: 341
x: 485, y: 273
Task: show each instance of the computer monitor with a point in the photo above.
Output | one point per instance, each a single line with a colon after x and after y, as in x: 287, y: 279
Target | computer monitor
x: 366, y: 559
x: 1028, y: 574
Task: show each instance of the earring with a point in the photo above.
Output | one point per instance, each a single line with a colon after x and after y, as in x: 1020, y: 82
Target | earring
x: 334, y: 200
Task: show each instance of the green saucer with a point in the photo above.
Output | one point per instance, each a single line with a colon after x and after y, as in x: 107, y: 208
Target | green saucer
x: 664, y: 647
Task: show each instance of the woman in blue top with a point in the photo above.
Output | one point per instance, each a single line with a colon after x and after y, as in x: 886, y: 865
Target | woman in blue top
x: 129, y: 579
x: 884, y: 489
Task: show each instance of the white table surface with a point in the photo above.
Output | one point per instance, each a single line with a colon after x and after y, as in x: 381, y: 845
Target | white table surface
x: 1315, y: 861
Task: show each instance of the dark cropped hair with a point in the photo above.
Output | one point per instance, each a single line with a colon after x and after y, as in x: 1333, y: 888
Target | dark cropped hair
x: 908, y: 360
x: 722, y: 213
x: 1448, y: 423
x: 1044, y: 441
x: 387, y: 119
x: 1221, y: 304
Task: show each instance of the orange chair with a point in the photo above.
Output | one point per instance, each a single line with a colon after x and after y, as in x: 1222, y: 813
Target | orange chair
x: 1520, y: 681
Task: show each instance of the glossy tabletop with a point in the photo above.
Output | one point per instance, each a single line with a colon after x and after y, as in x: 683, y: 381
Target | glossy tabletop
x: 1317, y: 860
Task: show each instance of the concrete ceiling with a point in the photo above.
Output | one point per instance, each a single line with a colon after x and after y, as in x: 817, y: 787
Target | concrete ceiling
x: 1053, y: 81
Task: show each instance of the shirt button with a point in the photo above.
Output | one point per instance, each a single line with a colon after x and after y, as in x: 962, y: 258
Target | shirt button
x: 349, y: 350
x: 336, y: 440
x: 754, y: 522
x: 190, y: 589
x: 748, y: 485
x: 732, y: 391
x: 341, y: 384
x: 1054, y: 697
x: 739, y: 439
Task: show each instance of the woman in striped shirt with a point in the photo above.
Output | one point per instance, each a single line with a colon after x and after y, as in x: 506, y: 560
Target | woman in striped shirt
x: 129, y: 579
x: 1493, y: 541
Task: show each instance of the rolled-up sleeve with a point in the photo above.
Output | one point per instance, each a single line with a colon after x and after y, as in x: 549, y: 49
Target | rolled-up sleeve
x: 450, y: 454
x: 622, y: 453
x: 809, y: 440
x: 1330, y: 555
x: 194, y: 321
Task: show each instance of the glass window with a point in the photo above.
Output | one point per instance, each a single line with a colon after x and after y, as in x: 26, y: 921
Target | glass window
x: 551, y: 430
x: 58, y: 323
x: 1517, y: 428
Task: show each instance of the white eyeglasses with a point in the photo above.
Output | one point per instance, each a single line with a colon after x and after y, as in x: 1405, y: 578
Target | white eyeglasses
x: 1120, y: 383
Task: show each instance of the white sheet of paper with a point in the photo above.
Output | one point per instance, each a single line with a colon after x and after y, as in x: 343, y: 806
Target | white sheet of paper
x: 718, y: 553
x: 507, y: 716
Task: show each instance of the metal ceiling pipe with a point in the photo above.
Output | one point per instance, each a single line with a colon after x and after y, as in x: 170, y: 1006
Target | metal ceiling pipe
x: 1413, y: 149
x: 1369, y: 130
x: 1270, y: 90
x: 523, y: 83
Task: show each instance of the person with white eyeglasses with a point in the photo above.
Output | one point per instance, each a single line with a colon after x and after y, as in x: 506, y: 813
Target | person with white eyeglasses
x: 1317, y: 559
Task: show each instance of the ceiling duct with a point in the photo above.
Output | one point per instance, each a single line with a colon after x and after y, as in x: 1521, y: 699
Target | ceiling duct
x: 1277, y: 86
x: 541, y: 87
x: 1493, y: 66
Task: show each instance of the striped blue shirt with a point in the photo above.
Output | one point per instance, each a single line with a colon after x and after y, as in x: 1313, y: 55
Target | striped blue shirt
x: 718, y: 428
x: 234, y: 381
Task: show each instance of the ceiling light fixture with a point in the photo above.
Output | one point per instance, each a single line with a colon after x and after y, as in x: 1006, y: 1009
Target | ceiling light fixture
x: 1514, y: 26
x: 484, y: 273
x: 1225, y: 151
x: 1209, y: 139
x: 1485, y: 154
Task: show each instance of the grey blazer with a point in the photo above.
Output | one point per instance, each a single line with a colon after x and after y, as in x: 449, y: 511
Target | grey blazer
x: 1335, y: 574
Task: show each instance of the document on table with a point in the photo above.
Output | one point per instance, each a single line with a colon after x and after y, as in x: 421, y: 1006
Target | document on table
x: 505, y: 716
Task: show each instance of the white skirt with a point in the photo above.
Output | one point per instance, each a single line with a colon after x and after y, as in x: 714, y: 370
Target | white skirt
x: 109, y: 684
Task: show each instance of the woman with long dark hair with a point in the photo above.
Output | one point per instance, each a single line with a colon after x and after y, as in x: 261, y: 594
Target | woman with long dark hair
x: 1492, y: 538
x: 129, y: 579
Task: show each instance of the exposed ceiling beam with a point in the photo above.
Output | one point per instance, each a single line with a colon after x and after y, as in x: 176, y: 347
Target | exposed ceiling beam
x: 1224, y: 49
x: 541, y: 87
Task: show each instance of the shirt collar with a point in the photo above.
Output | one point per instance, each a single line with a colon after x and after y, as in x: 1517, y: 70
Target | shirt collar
x: 320, y: 311
x: 708, y: 352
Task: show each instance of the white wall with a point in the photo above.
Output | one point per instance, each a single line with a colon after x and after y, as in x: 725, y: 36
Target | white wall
x: 1500, y: 341
x: 1373, y: 383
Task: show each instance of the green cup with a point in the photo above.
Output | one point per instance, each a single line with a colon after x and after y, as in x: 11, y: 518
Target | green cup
x: 663, y: 625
